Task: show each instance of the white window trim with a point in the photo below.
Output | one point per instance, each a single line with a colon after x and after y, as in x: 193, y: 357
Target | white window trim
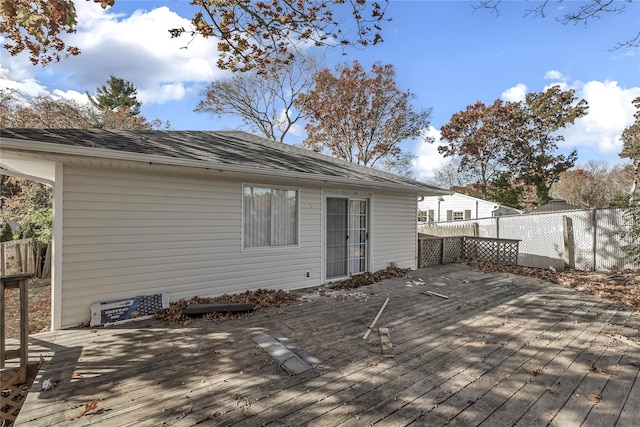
x: 270, y: 248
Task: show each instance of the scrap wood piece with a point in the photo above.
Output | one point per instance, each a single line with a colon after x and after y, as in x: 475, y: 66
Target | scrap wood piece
x: 385, y: 341
x: 194, y: 309
x: 370, y: 328
x: 279, y: 352
x: 434, y: 294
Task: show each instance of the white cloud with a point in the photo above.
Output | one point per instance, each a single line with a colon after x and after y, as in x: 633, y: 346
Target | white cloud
x: 515, y: 94
x: 80, y: 98
x: 427, y: 157
x: 554, y: 75
x: 27, y: 87
x: 599, y: 132
x: 610, y: 111
x: 137, y: 48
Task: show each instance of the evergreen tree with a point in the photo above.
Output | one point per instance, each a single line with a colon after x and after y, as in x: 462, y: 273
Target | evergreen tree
x: 118, y: 96
x: 7, y: 233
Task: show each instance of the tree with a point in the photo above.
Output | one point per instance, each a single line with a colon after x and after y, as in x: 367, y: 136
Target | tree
x: 119, y: 96
x: 6, y: 233
x: 449, y: 175
x: 476, y: 137
x: 631, y: 208
x: 43, y: 112
x: 402, y: 164
x: 249, y: 34
x: 574, y: 12
x: 360, y: 117
x: 590, y: 186
x: 533, y: 129
x: 29, y: 204
x: 36, y: 25
x: 631, y: 147
x: 506, y: 191
x: 46, y: 112
x: 264, y: 102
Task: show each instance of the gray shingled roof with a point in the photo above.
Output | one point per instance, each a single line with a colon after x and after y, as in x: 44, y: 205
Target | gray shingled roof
x: 218, y: 148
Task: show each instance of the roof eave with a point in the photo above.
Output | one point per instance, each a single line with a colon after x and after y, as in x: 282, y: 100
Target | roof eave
x: 10, y: 144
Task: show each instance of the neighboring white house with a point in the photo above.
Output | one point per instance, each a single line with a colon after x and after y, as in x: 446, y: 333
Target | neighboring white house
x: 206, y: 213
x: 459, y: 207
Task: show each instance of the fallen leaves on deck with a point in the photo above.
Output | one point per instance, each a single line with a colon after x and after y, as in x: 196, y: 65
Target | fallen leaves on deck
x: 265, y: 298
x: 365, y: 279
x: 260, y: 299
x: 621, y: 287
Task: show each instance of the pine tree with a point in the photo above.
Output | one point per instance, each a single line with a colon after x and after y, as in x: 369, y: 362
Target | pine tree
x: 118, y: 96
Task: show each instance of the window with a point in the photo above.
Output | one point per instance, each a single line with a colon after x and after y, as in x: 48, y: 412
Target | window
x: 426, y: 216
x: 458, y: 216
x: 270, y: 217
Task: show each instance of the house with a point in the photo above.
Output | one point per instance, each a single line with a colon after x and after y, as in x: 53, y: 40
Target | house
x: 192, y: 213
x: 459, y: 207
x: 555, y: 205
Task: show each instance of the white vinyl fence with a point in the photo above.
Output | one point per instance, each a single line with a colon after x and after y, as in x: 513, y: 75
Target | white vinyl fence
x: 582, y: 239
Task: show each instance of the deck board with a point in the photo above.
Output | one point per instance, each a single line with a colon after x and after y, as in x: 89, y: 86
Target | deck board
x: 467, y: 360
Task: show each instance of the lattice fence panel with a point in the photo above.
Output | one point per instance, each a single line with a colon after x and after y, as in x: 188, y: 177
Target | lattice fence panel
x: 430, y: 252
x: 502, y: 251
x: 12, y: 397
x: 452, y: 249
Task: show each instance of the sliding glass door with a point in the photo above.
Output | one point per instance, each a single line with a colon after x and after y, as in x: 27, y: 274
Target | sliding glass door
x: 347, y: 234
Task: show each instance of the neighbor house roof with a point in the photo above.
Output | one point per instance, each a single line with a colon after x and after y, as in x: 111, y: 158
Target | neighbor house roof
x: 234, y: 151
x: 555, y: 205
x: 495, y: 205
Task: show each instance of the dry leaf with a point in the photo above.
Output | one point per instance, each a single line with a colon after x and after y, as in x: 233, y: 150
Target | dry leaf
x: 88, y: 407
x: 595, y: 398
x: 76, y: 374
x: 552, y: 391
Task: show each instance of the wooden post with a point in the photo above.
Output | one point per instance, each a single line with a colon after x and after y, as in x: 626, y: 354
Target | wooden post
x: 594, y: 239
x: 3, y: 356
x: 18, y: 254
x: 569, y: 242
x: 2, y: 260
x: 12, y: 282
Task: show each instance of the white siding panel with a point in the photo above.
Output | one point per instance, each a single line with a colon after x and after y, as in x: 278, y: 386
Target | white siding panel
x: 394, y: 231
x: 457, y: 203
x: 127, y: 233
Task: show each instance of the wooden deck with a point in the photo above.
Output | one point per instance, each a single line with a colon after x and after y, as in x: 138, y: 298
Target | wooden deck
x: 502, y: 350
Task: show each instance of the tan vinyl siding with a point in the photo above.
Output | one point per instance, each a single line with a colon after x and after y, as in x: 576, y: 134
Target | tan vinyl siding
x: 127, y: 233
x: 394, y: 231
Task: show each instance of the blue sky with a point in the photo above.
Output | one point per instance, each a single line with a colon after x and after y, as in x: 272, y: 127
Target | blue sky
x: 445, y: 53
